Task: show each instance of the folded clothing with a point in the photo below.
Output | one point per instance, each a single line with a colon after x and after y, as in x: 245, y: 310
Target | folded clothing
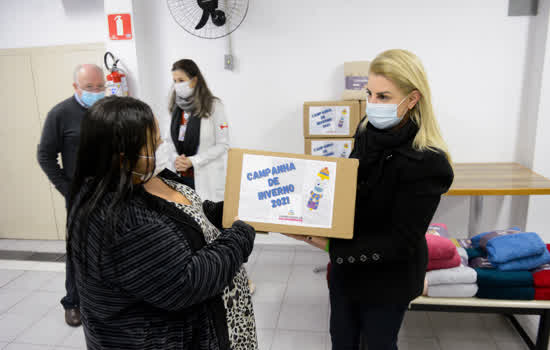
x: 440, y: 248
x: 438, y: 230
x: 455, y: 275
x: 475, y: 240
x: 542, y: 278
x: 542, y: 293
x: 475, y: 253
x: 467, y: 290
x: 496, y: 278
x: 463, y: 255
x: 486, y: 238
x: 545, y: 266
x: 509, y: 293
x: 480, y: 262
x: 462, y: 242
x: 506, y: 248
x: 541, y: 274
x: 523, y: 264
x: 447, y: 263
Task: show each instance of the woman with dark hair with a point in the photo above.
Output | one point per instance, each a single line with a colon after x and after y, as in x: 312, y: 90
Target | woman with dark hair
x: 154, y: 267
x: 198, y: 131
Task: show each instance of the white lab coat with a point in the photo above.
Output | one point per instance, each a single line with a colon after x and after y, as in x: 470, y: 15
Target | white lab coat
x: 210, y: 162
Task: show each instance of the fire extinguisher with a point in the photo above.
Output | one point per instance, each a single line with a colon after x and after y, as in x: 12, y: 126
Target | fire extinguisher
x: 117, y: 83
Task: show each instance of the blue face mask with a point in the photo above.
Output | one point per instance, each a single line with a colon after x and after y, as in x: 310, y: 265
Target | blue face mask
x: 383, y: 116
x: 89, y: 98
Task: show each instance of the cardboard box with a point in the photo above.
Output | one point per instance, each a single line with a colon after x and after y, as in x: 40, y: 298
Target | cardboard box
x: 340, y: 148
x: 291, y: 193
x: 330, y: 119
x: 356, y: 77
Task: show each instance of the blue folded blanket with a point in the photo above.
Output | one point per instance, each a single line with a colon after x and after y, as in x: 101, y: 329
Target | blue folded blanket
x: 503, y: 249
x: 477, y: 238
x: 524, y: 264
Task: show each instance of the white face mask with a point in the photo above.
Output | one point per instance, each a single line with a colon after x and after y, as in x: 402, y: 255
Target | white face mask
x: 383, y: 116
x: 148, y: 176
x: 183, y: 90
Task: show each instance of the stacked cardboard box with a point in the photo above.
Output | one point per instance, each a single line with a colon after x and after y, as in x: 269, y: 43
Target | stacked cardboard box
x: 291, y: 193
x: 329, y: 127
x: 356, y: 78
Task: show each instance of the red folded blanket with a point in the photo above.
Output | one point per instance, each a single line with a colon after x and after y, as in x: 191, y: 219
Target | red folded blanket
x: 541, y: 275
x: 438, y: 264
x: 442, y: 253
x: 542, y: 293
x: 440, y: 248
x: 542, y: 278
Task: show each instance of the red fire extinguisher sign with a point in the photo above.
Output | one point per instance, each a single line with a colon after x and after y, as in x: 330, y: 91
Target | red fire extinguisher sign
x: 120, y: 26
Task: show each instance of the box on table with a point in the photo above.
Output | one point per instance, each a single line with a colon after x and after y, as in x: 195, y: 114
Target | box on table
x: 291, y: 193
x: 329, y: 147
x: 331, y: 119
x: 356, y: 77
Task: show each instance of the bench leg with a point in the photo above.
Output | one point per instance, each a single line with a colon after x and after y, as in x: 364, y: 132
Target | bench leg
x: 522, y: 332
x: 544, y: 331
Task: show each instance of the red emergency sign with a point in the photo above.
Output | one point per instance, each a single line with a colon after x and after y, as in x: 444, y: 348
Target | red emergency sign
x: 120, y: 26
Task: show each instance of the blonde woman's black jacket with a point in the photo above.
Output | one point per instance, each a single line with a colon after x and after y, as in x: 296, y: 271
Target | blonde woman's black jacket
x: 398, y: 191
x: 158, y: 285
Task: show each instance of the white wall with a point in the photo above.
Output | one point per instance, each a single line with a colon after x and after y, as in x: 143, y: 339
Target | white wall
x: 125, y: 50
x: 480, y: 63
x: 288, y: 52
x: 539, y: 206
x: 29, y: 23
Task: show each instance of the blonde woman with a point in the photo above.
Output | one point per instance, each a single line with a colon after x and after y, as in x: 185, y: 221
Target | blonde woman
x: 404, y: 168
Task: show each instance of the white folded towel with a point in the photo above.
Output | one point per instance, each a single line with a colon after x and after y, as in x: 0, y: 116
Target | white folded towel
x: 453, y: 290
x: 456, y: 275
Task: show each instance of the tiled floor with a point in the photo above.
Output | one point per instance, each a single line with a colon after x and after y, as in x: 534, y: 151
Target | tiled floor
x: 291, y: 307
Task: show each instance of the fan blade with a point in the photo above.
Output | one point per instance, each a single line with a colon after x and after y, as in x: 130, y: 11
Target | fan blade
x: 203, y: 20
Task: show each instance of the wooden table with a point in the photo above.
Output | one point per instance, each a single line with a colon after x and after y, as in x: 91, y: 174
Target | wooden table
x: 494, y: 179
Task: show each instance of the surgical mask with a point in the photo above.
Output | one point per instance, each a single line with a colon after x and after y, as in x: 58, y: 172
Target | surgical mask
x: 145, y: 177
x: 183, y: 90
x: 383, y: 116
x: 89, y: 98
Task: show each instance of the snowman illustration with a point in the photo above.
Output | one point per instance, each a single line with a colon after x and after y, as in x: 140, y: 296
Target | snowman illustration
x: 342, y: 118
x: 344, y: 153
x: 317, y: 193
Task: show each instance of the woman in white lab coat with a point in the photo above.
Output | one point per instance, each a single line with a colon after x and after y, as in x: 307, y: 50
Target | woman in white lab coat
x: 197, y: 138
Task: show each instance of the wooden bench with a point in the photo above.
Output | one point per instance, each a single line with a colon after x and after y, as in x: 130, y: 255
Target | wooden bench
x: 494, y: 179
x: 509, y: 308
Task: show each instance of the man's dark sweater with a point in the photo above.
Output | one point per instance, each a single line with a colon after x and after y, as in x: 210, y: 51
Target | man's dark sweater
x: 61, y: 134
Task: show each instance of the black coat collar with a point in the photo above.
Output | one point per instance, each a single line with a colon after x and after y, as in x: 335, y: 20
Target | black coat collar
x: 381, y: 143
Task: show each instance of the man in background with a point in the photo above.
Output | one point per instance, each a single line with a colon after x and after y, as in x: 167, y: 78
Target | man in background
x: 61, y: 135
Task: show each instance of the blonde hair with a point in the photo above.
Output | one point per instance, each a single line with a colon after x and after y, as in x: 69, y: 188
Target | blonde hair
x: 404, y: 69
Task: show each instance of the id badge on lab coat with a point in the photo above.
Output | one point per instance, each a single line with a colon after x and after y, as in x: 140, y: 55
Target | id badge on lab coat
x: 183, y: 128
